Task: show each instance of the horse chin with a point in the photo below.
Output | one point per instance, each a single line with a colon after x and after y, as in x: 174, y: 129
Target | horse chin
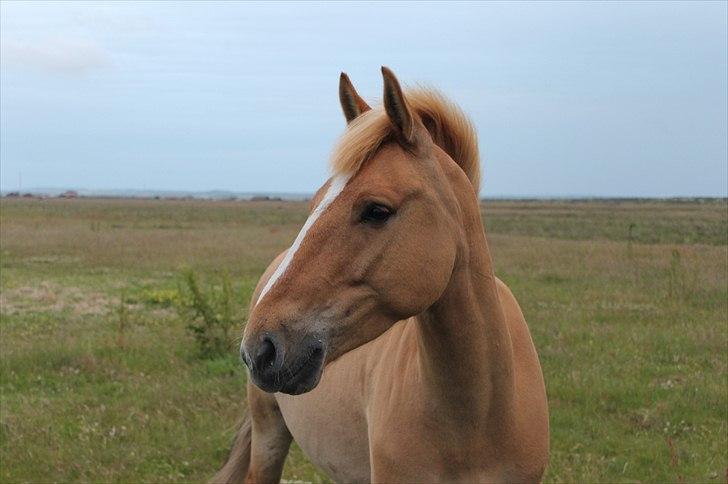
x: 306, y: 378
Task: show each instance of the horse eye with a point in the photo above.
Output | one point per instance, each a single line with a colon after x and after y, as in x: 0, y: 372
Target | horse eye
x: 375, y: 214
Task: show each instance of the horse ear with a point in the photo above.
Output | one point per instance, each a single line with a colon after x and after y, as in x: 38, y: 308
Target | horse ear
x: 351, y: 103
x: 396, y: 106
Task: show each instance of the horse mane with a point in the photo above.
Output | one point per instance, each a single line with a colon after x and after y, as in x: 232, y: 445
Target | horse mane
x: 447, y: 124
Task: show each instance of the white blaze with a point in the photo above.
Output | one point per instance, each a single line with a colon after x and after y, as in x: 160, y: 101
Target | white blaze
x: 338, y: 183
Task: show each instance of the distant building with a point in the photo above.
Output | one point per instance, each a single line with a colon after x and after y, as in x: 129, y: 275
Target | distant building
x: 69, y: 194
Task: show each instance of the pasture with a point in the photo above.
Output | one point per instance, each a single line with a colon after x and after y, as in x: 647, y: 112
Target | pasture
x: 627, y: 302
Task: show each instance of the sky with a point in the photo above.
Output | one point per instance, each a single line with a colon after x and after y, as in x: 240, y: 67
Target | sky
x: 569, y: 99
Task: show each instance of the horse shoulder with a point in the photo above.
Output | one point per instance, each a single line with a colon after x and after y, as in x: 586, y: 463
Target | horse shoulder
x: 530, y: 390
x: 520, y: 334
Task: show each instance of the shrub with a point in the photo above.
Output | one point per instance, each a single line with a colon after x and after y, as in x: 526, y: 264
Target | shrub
x: 211, y: 314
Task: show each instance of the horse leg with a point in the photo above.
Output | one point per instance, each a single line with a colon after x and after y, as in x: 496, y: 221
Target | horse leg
x: 270, y: 439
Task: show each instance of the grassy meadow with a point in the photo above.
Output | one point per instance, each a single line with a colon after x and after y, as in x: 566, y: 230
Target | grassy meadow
x: 101, y: 379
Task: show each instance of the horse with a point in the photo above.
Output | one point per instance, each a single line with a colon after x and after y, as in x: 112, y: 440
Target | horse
x: 381, y: 340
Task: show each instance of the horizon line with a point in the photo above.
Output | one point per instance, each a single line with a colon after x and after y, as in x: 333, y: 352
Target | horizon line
x: 54, y: 192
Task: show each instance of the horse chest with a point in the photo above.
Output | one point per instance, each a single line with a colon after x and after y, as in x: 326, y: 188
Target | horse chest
x: 329, y: 426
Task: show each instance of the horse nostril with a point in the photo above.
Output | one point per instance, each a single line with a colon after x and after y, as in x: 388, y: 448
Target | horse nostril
x: 266, y: 356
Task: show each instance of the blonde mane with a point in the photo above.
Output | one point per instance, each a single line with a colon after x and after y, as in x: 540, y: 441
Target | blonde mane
x: 449, y: 127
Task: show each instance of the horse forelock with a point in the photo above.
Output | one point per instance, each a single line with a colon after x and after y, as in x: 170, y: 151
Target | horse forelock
x: 447, y: 124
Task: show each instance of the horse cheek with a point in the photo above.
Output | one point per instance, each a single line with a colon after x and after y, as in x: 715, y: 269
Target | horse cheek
x: 422, y: 277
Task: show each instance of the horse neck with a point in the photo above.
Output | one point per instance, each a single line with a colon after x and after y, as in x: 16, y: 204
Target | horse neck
x: 466, y: 355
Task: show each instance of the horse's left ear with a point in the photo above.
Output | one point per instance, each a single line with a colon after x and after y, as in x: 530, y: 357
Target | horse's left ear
x: 351, y: 103
x: 396, y: 106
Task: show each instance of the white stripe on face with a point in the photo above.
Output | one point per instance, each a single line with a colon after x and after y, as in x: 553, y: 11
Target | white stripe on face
x: 338, y: 183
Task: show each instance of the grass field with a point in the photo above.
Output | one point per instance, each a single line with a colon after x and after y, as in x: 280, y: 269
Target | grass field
x: 101, y: 381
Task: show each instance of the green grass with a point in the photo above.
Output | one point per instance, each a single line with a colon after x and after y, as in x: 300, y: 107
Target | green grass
x: 631, y: 327
x: 701, y: 221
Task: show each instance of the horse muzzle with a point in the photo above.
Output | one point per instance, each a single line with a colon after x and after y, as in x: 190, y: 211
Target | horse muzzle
x: 277, y: 367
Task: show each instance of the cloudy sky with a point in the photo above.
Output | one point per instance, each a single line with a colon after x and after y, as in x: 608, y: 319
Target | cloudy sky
x: 600, y: 99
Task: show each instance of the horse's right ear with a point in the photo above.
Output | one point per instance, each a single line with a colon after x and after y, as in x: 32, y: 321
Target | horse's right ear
x: 351, y: 103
